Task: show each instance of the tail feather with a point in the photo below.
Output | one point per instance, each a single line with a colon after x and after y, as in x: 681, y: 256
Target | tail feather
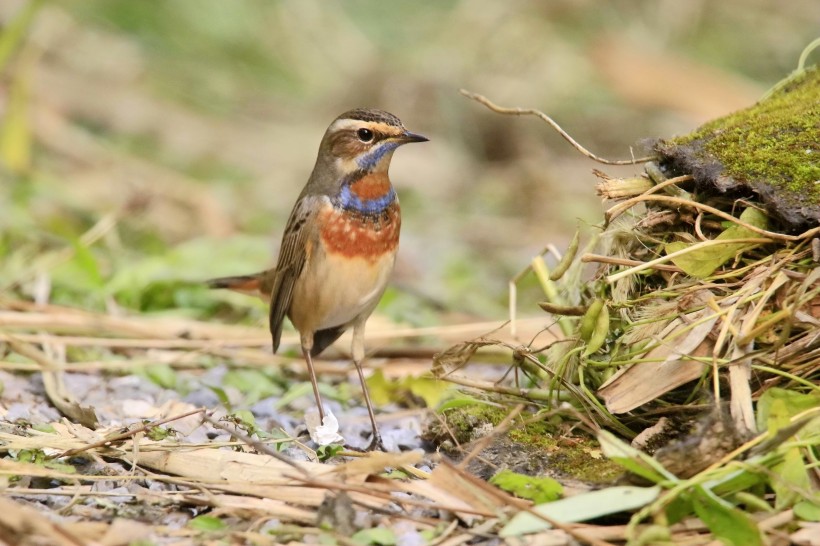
x: 245, y: 284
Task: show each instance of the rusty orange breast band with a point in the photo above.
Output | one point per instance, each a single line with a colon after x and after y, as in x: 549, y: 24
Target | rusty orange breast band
x: 356, y: 234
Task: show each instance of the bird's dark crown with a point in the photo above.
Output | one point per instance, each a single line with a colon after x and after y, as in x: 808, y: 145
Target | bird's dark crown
x: 372, y: 115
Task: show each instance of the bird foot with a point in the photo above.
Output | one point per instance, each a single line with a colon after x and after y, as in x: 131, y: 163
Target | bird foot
x: 376, y: 444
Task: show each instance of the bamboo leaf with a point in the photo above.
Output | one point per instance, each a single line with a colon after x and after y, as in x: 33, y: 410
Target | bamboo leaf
x: 729, y: 524
x: 704, y: 261
x: 581, y: 508
x: 632, y: 459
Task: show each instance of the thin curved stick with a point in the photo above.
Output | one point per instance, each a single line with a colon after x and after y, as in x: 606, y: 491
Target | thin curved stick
x: 619, y: 209
x: 481, y: 99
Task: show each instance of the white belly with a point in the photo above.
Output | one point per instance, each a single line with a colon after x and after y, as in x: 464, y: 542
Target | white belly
x: 334, y: 290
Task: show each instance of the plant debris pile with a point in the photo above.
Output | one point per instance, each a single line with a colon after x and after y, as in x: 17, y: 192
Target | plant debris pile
x: 698, y: 336
x: 712, y: 278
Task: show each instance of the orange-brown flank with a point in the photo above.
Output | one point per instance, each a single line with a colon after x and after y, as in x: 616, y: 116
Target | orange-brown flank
x: 355, y: 235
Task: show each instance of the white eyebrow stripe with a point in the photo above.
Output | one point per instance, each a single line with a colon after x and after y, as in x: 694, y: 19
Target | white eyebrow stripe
x: 383, y: 128
x: 341, y: 124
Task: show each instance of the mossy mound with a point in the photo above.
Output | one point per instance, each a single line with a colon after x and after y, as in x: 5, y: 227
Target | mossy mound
x: 702, y: 297
x: 771, y: 149
x: 533, y: 447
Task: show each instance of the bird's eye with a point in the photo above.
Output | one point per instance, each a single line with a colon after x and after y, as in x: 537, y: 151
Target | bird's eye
x: 365, y: 135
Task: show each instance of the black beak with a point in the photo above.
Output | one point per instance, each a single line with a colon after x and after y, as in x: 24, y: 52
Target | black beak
x: 407, y: 137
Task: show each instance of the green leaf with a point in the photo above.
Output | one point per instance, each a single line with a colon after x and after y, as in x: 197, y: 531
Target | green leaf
x: 296, y: 391
x: 432, y: 391
x: 702, y: 262
x: 87, y: 263
x: 775, y: 409
x: 380, y: 389
x: 752, y: 502
x: 729, y: 524
x: 536, y: 489
x: 254, y: 384
x: 376, y: 535
x: 633, y: 460
x: 739, y: 480
x: 327, y: 452
x: 773, y: 415
x: 246, y: 418
x: 807, y: 510
x: 581, y: 508
x: 678, y: 508
x: 162, y: 375
x: 80, y: 274
x: 789, y: 478
x: 221, y: 395
x: 207, y: 523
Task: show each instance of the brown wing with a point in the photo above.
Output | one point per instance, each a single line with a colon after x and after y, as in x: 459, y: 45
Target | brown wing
x: 292, y: 259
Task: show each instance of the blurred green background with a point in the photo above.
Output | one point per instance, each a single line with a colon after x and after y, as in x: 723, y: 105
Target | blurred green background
x: 180, y: 132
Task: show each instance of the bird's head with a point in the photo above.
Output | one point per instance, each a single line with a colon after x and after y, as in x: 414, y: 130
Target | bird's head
x: 364, y: 140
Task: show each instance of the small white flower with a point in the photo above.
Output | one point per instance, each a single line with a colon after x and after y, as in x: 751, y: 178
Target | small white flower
x: 325, y: 433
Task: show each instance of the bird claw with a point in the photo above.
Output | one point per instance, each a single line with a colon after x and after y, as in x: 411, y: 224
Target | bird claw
x: 376, y: 444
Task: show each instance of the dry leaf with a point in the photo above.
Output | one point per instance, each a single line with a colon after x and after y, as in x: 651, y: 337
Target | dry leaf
x: 645, y: 381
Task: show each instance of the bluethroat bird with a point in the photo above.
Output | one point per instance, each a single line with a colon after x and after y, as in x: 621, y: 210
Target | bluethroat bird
x: 339, y: 244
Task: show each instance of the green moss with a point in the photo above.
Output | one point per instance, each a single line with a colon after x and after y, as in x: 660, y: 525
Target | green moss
x: 578, y: 457
x: 772, y: 147
x: 565, y: 455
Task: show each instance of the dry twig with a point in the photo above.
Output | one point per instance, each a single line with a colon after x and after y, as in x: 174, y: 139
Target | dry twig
x: 481, y: 99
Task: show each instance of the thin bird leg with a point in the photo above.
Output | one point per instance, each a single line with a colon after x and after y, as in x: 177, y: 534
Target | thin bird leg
x: 307, y: 345
x: 358, y: 357
x: 376, y: 442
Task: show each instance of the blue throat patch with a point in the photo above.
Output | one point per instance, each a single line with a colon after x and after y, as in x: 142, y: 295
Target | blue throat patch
x: 350, y: 201
x: 369, y: 160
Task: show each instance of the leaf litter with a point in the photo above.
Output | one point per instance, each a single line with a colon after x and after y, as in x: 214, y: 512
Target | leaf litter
x: 702, y: 315
x: 174, y: 455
